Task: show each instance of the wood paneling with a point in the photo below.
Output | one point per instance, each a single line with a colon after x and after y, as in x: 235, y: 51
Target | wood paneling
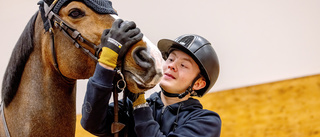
x: 80, y: 132
x: 289, y: 108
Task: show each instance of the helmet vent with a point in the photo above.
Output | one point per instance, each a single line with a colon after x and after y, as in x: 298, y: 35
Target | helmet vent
x: 186, y: 41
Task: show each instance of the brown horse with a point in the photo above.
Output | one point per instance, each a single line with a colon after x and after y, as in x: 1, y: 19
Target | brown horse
x: 39, y: 86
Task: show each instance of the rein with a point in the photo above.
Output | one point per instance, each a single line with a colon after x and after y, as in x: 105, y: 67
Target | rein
x: 4, y: 120
x: 116, y: 126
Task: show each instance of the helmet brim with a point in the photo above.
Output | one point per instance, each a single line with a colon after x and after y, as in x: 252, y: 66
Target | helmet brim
x: 165, y: 46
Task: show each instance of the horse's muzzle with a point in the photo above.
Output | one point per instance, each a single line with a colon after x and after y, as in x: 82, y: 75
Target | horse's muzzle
x: 148, y: 63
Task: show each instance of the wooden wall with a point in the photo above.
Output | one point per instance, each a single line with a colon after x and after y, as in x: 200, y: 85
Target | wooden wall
x: 289, y: 108
x: 80, y: 132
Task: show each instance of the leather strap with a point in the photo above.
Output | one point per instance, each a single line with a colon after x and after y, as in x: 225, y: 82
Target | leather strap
x: 182, y: 95
x: 4, y: 120
x: 54, y: 56
x: 116, y: 126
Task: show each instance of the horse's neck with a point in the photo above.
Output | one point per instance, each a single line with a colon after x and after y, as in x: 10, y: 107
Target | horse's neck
x: 44, y: 101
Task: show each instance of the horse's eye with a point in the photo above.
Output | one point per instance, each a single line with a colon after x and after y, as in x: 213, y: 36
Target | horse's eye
x: 76, y: 13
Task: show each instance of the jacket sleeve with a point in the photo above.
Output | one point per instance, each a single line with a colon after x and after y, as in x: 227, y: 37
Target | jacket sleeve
x: 95, y: 105
x: 203, y: 124
x: 145, y: 125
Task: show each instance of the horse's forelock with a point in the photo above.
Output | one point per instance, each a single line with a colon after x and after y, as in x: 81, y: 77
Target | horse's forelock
x: 18, y: 59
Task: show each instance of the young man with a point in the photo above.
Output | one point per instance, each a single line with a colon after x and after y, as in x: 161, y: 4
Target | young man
x: 191, y: 68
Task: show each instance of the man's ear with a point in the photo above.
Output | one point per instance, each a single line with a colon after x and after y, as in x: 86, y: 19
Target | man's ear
x: 199, y: 84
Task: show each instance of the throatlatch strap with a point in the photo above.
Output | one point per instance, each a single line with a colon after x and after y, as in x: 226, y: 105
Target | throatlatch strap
x: 182, y: 95
x: 169, y: 94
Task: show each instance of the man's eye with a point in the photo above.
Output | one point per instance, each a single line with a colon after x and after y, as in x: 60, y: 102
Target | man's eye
x: 185, y: 65
x: 76, y: 13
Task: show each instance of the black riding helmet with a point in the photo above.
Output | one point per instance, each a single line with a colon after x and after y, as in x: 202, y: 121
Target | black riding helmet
x: 202, y: 53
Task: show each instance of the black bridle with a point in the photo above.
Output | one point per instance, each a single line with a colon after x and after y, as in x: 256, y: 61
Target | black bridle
x: 75, y: 36
x: 71, y: 33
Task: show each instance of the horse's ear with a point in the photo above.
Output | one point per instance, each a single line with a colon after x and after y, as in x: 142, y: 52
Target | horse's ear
x: 49, y: 2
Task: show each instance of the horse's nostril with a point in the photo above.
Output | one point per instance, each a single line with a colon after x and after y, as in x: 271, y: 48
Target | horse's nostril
x: 140, y: 54
x: 143, y: 58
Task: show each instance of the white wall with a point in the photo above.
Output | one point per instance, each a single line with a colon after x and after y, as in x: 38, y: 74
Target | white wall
x: 257, y: 41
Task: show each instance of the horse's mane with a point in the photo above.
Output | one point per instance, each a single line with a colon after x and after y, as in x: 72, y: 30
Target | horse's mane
x: 17, y: 62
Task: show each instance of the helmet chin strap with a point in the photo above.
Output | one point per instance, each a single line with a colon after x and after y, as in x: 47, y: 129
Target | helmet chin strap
x: 182, y: 95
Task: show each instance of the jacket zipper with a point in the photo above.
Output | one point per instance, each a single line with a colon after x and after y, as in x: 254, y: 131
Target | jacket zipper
x: 164, y: 108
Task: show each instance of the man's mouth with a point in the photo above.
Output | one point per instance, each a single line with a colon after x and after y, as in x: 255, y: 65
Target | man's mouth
x: 169, y: 75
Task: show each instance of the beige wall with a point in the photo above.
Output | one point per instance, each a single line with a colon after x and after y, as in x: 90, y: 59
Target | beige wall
x: 256, y: 41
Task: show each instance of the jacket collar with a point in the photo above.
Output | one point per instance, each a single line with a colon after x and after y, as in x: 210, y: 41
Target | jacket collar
x: 190, y: 104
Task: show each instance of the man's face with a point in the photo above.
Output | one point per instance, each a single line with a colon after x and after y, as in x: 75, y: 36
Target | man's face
x: 179, y: 72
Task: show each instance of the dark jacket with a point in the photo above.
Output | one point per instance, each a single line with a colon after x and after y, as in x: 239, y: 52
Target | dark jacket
x: 185, y: 118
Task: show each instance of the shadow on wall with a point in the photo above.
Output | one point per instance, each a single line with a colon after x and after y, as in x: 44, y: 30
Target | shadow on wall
x: 288, y: 108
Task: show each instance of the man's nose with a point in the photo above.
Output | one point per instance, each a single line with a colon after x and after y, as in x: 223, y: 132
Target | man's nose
x: 172, y: 67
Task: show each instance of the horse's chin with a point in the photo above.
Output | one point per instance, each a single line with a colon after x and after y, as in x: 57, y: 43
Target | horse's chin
x: 138, y: 84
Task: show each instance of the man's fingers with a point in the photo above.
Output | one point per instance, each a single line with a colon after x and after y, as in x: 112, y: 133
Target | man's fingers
x: 117, y: 23
x: 128, y: 25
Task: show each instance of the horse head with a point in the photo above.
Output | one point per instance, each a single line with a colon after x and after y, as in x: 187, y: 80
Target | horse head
x: 77, y: 30
x: 142, y: 67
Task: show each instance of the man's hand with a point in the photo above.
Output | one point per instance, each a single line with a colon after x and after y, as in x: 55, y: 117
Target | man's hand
x: 136, y: 98
x: 116, y: 42
x: 139, y: 101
